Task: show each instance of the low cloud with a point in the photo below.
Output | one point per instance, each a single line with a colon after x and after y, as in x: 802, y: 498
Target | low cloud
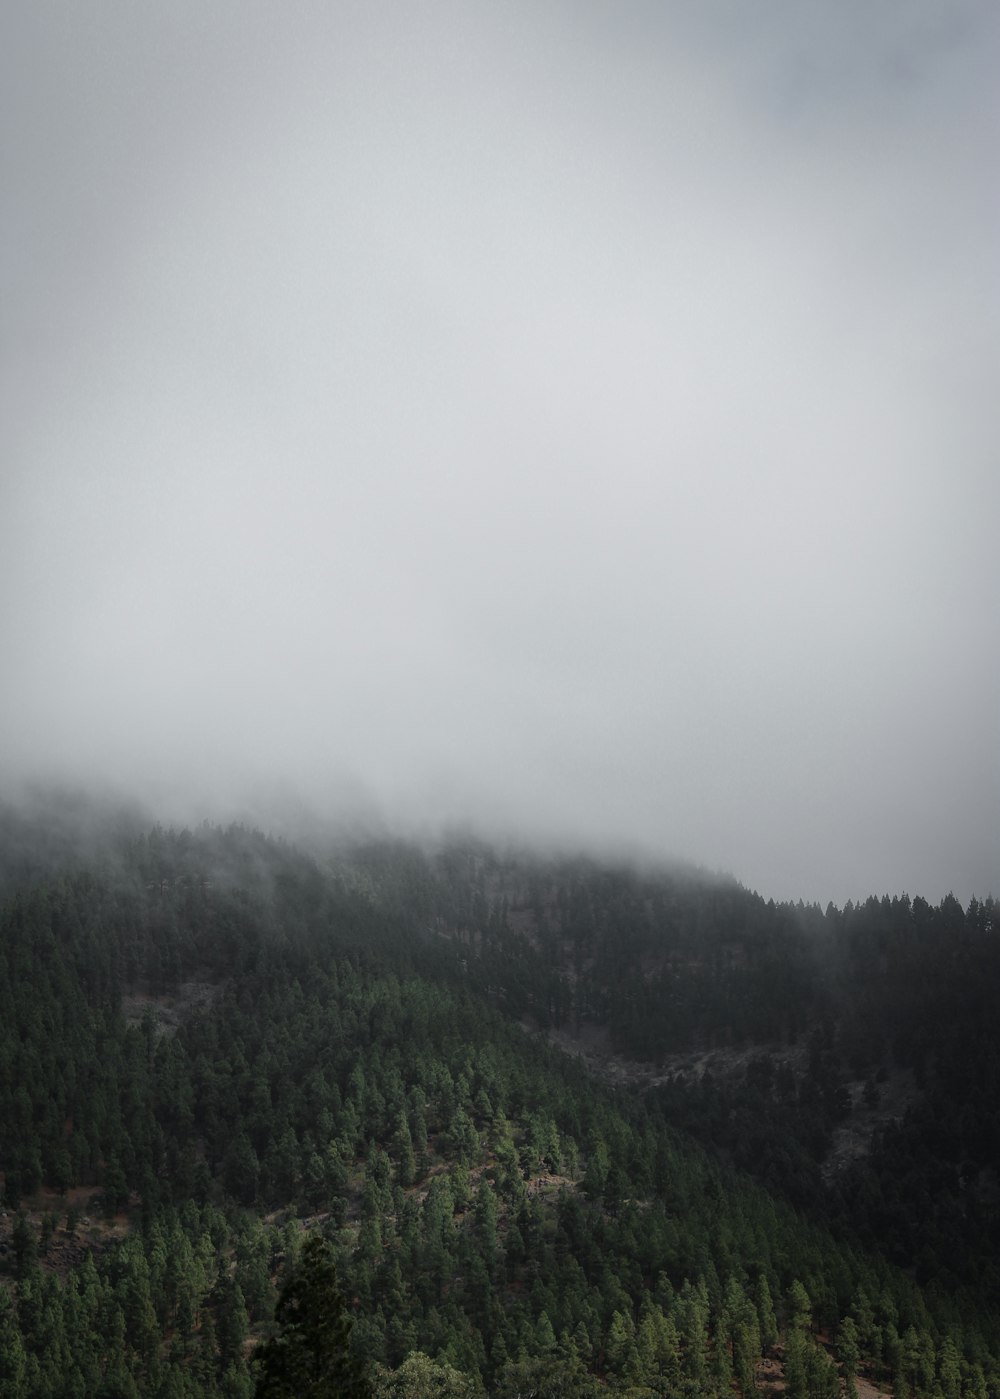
x: 576, y: 423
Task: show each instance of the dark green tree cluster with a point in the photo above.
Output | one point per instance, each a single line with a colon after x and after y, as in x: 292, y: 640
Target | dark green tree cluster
x: 847, y: 1008
x: 228, y: 1042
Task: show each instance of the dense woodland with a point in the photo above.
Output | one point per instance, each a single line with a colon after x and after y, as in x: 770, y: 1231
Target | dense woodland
x: 215, y: 1046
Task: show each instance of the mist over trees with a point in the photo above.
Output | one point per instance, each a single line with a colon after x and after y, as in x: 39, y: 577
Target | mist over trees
x: 218, y: 1050
x: 464, y: 464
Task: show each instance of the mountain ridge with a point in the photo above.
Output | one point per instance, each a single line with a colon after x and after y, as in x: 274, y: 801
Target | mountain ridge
x: 229, y: 1039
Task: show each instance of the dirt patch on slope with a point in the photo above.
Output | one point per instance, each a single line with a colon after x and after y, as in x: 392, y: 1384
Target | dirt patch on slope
x: 170, y: 1011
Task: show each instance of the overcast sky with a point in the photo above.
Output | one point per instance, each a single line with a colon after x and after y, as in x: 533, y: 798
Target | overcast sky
x: 577, y: 418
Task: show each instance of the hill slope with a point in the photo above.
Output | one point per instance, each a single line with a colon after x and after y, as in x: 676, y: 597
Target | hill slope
x: 210, y: 1038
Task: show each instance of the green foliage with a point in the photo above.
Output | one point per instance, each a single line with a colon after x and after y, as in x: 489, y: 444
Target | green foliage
x: 420, y: 1377
x: 219, y: 1029
x: 310, y: 1355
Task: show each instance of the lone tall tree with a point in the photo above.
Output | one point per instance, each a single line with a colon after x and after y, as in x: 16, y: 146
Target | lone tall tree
x: 309, y: 1357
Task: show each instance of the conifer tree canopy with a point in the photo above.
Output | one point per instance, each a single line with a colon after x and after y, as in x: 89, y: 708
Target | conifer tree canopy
x: 310, y: 1357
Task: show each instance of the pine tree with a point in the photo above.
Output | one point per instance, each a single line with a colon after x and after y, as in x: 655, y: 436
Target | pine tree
x: 310, y: 1356
x: 12, y: 1357
x: 765, y: 1313
x: 850, y: 1353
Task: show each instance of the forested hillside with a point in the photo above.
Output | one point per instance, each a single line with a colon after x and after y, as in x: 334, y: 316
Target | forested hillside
x: 212, y: 1044
x: 848, y: 1058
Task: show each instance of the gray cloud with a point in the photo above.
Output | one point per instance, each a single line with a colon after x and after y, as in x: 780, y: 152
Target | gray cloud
x: 573, y: 418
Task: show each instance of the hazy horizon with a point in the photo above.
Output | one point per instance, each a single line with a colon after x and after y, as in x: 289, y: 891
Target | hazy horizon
x: 569, y: 421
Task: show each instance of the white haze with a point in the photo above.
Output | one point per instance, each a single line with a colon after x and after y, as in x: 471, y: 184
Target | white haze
x: 579, y: 420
